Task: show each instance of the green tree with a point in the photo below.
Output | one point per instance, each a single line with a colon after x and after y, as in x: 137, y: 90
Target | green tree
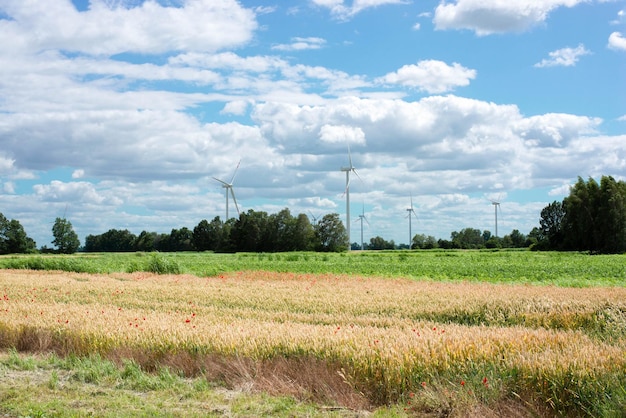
x: 518, y: 240
x: 424, y: 242
x: 551, y: 226
x: 13, y: 238
x: 591, y: 218
x: 65, y: 239
x: 467, y: 238
x: 330, y: 234
x: 303, y: 233
x: 202, y: 236
x: 144, y: 242
x: 379, y: 243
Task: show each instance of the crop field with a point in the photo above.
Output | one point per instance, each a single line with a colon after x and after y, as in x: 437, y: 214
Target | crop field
x: 392, y: 334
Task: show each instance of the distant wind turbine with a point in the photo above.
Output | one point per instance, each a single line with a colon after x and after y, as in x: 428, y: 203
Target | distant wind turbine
x: 229, y: 188
x: 362, y: 218
x: 496, y: 207
x: 411, y: 211
x: 348, y: 170
x: 315, y: 218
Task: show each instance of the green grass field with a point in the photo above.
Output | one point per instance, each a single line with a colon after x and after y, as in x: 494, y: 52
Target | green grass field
x: 546, y: 268
x: 427, y: 333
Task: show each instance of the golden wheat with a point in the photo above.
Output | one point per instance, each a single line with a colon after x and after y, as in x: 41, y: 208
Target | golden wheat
x: 393, y: 333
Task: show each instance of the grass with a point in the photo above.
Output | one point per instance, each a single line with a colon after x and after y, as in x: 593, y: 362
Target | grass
x: 353, y: 342
x: 93, y: 386
x: 543, y: 268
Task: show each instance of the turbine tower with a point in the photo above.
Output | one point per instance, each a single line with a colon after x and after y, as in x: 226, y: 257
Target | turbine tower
x: 496, y: 206
x: 229, y: 188
x: 362, y: 218
x: 348, y: 170
x: 411, y: 211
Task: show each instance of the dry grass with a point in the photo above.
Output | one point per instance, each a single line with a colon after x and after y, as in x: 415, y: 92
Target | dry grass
x: 346, y: 340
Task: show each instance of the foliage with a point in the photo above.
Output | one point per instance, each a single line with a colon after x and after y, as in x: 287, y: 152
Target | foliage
x: 75, y: 386
x: 592, y: 218
x: 13, y: 238
x: 65, y: 239
x: 421, y: 241
x: 331, y: 234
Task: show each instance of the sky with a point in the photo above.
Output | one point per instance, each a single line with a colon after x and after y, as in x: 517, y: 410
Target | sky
x: 120, y: 114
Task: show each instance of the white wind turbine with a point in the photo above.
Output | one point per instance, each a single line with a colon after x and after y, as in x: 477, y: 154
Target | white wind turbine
x: 411, y: 211
x: 229, y: 188
x: 362, y: 218
x: 496, y: 207
x: 348, y: 170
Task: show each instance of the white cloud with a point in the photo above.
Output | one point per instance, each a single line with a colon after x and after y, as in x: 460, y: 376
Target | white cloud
x: 301, y: 44
x: 58, y: 191
x: 488, y: 17
x: 197, y: 25
x: 341, y: 134
x: 617, y: 41
x: 236, y: 107
x: 565, y: 57
x: 431, y: 76
x: 77, y: 174
x: 341, y: 10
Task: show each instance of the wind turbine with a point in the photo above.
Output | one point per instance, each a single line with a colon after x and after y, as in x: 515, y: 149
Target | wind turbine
x: 411, y: 211
x: 229, y: 187
x: 348, y: 170
x: 496, y: 207
x: 315, y: 218
x: 362, y: 218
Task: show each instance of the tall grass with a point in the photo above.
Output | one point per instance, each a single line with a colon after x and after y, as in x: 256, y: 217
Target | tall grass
x: 391, y: 340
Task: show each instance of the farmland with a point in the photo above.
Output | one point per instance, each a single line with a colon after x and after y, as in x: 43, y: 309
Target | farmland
x: 443, y: 333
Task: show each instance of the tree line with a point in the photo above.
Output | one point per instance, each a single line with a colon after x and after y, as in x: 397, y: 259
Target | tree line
x: 253, y: 231
x: 592, y: 218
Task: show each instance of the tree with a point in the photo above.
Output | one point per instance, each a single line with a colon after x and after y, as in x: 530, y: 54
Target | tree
x: 202, y: 236
x: 591, y: 218
x: 424, y: 242
x: 379, y: 243
x: 518, y: 240
x: 467, y: 238
x: 330, y: 234
x: 13, y: 238
x: 65, y: 239
x: 551, y: 226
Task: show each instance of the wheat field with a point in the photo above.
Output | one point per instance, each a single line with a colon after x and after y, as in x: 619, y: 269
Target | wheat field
x: 376, y: 341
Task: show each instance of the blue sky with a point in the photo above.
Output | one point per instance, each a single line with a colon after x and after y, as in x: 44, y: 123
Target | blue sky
x: 119, y: 113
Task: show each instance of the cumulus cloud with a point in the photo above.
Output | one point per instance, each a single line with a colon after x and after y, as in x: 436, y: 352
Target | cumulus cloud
x: 58, y: 191
x: 485, y: 18
x: 431, y: 76
x: 566, y: 57
x: 343, y: 11
x: 150, y: 28
x: 341, y: 134
x: 617, y: 41
x: 300, y: 44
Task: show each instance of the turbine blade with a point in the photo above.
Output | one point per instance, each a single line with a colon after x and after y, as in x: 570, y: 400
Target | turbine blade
x: 221, y: 181
x: 349, y: 157
x: 347, y: 187
x: 232, y: 193
x: 357, y: 174
x: 235, y: 173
